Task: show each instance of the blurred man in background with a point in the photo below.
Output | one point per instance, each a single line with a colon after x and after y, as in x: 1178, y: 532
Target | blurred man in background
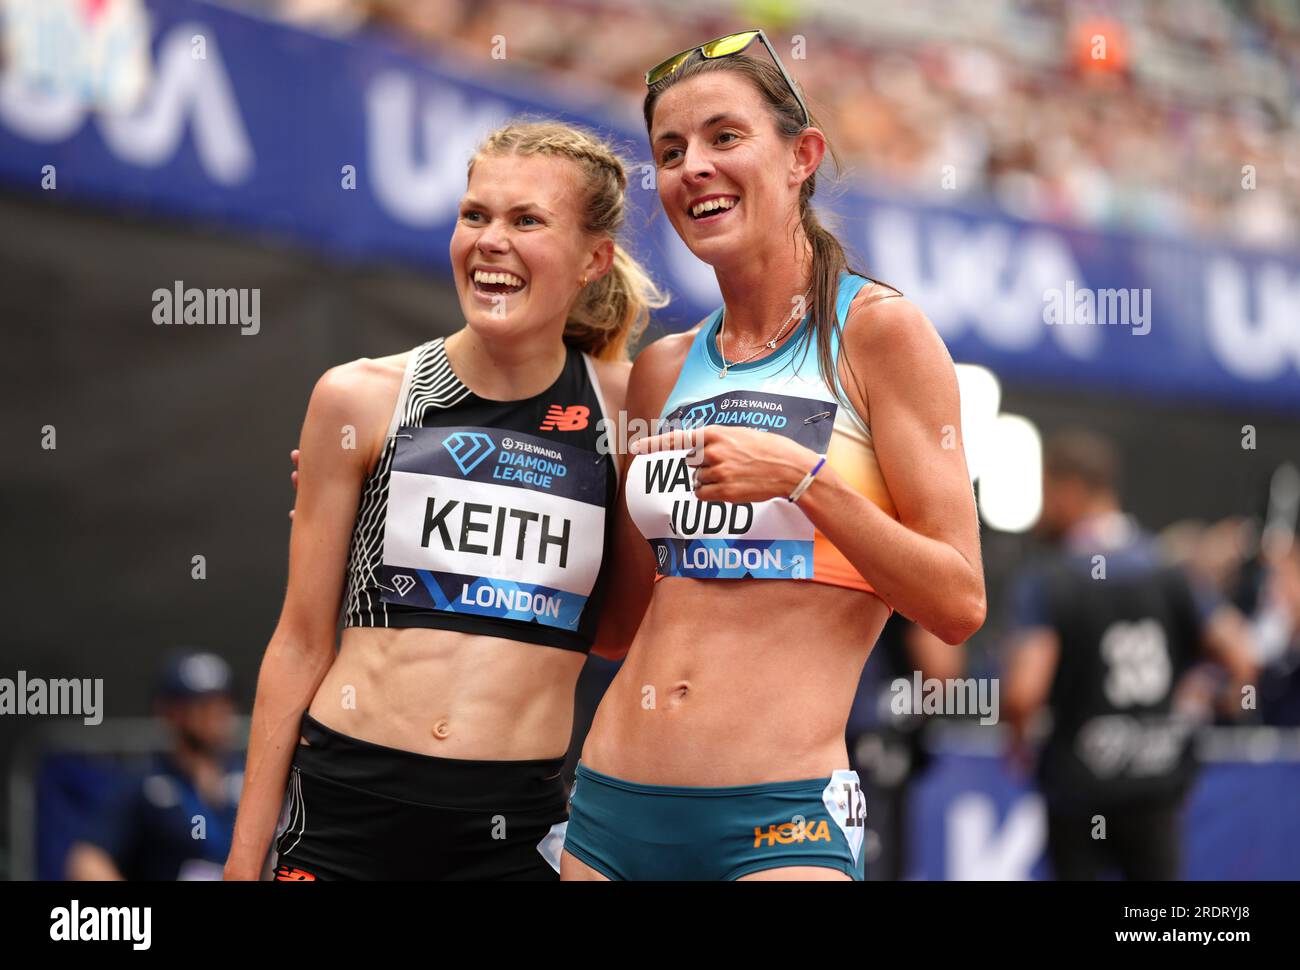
x: 1277, y: 624
x: 1103, y: 632
x: 174, y: 822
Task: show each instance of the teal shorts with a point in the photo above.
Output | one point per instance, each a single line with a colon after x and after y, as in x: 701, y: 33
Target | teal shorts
x: 625, y: 830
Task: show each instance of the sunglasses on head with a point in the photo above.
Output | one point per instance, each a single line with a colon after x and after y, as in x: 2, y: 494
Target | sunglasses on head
x: 725, y: 47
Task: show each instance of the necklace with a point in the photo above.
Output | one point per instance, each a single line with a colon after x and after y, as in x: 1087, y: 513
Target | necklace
x: 770, y: 344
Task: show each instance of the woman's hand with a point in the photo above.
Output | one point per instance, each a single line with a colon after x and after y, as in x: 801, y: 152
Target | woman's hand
x: 736, y: 464
x: 293, y: 477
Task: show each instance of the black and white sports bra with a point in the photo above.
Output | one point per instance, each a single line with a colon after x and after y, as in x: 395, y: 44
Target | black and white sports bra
x: 487, y: 517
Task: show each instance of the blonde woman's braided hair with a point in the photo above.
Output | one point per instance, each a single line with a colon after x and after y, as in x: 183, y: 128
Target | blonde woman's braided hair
x: 611, y: 312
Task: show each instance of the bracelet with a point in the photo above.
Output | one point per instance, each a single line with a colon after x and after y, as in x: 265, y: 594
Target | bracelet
x: 807, y: 480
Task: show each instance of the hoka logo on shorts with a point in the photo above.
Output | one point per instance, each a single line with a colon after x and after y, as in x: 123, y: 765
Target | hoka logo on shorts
x: 797, y: 830
x: 698, y: 416
x: 468, y: 449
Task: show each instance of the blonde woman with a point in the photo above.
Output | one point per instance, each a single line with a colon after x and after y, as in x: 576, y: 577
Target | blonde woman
x: 464, y: 540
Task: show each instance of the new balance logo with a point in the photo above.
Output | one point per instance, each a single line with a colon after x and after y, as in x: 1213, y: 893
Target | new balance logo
x: 285, y: 874
x: 789, y: 832
x: 572, y: 418
x: 468, y: 449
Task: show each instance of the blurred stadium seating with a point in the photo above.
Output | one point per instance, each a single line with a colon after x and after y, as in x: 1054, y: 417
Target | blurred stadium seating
x: 1010, y: 93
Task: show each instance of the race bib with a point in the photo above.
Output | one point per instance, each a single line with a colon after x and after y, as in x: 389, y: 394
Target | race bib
x: 726, y: 540
x: 843, y: 799
x: 552, y: 844
x: 504, y: 525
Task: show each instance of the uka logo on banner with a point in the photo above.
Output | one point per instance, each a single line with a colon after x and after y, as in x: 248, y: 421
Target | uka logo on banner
x: 1254, y: 331
x: 186, y: 93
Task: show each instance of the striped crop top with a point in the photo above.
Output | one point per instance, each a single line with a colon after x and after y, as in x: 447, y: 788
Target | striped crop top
x: 487, y: 517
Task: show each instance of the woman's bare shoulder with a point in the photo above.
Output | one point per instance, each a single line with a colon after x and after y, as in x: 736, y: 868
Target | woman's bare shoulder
x: 364, y: 378
x: 664, y: 357
x: 356, y: 400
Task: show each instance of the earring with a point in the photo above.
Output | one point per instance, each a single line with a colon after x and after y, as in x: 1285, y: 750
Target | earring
x: 584, y: 281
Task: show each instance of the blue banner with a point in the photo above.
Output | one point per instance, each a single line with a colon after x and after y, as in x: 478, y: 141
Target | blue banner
x: 359, y: 149
x: 970, y: 819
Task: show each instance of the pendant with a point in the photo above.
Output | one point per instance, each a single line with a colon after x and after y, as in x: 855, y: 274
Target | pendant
x: 723, y: 374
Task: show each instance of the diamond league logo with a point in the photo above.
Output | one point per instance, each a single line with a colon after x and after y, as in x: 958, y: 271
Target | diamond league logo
x: 404, y: 583
x: 697, y: 416
x: 468, y: 449
x: 663, y: 556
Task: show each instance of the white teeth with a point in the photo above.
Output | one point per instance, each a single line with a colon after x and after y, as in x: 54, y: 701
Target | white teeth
x: 509, y: 279
x: 709, y: 205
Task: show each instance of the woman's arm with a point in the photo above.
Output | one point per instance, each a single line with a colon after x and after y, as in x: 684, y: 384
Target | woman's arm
x: 927, y: 564
x: 301, y: 649
x: 630, y: 584
x: 632, y: 581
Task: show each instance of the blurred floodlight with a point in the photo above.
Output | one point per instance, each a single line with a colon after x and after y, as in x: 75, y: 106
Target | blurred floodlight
x: 981, y: 396
x: 1011, y: 481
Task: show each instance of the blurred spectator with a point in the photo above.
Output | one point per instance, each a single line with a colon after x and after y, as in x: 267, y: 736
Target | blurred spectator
x: 176, y: 821
x: 1104, y: 632
x: 1277, y: 628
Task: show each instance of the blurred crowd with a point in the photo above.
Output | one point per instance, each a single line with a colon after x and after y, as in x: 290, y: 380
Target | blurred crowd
x: 1257, y: 571
x: 1175, y: 116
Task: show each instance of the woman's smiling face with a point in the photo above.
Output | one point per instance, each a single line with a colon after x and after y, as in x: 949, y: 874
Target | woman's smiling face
x: 519, y: 249
x: 725, y: 174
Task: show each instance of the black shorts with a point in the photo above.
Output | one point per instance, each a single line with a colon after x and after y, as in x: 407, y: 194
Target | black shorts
x: 357, y: 810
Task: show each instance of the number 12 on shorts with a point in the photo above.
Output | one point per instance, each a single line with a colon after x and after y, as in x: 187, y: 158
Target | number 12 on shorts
x: 857, y: 808
x: 843, y: 799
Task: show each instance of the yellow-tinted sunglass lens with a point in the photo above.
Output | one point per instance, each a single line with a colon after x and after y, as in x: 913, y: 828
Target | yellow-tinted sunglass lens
x: 657, y: 74
x: 730, y: 44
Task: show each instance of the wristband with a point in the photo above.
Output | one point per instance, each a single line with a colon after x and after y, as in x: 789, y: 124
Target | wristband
x: 807, y: 480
